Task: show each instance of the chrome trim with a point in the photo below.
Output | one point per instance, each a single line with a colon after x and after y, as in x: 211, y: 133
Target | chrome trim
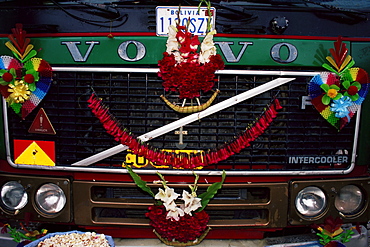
x: 32, y: 183
x: 330, y: 187
x: 180, y: 172
x: 86, y: 200
x: 155, y: 70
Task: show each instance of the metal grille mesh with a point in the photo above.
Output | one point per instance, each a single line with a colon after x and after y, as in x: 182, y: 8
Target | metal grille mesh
x: 134, y: 99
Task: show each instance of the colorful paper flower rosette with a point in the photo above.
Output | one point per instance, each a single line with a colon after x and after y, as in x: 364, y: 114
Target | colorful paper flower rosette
x: 24, y: 91
x: 338, y: 98
x: 24, y: 78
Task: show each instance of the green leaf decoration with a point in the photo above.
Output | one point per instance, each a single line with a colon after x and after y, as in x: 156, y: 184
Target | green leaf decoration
x: 339, y: 95
x: 36, y: 75
x: 29, y: 55
x: 16, y: 55
x: 16, y: 235
x: 347, y: 235
x: 16, y: 107
x: 20, y: 235
x: 4, y: 83
x: 11, y: 71
x: 211, y: 192
x: 354, y: 97
x: 350, y: 64
x: 32, y: 87
x: 3, y: 71
x: 346, y: 84
x: 335, y: 87
x: 33, y: 72
x: 139, y: 182
x: 328, y: 67
x: 325, y: 87
x: 357, y: 84
x: 324, y: 239
x: 325, y: 100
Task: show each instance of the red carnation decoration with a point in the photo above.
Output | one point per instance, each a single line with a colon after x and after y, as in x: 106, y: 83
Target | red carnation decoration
x: 185, y: 71
x: 187, y: 228
x: 352, y: 90
x: 29, y: 78
x: 8, y: 77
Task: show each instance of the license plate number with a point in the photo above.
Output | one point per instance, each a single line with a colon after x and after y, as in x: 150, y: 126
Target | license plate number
x: 168, y: 15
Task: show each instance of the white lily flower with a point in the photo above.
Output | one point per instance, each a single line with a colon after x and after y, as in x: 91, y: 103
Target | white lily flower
x: 192, y: 203
x: 178, y: 57
x: 175, y: 214
x: 167, y: 195
x: 187, y: 197
x: 207, y: 48
x: 170, y: 206
x: 172, y: 43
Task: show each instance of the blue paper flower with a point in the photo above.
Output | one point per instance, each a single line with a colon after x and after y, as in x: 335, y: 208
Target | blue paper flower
x: 340, y: 107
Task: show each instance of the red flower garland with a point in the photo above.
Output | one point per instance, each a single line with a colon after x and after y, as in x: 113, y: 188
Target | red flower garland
x: 187, y: 228
x: 183, y: 160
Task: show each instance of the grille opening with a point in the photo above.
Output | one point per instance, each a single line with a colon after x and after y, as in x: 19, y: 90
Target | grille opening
x: 238, y: 214
x: 101, y: 193
x: 134, y: 99
x: 250, y: 195
x: 101, y: 212
x: 230, y: 214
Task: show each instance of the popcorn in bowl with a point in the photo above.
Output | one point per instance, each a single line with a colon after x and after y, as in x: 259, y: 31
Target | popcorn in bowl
x: 73, y: 238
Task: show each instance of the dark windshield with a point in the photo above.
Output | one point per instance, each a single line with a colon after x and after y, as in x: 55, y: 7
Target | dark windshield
x: 345, y: 4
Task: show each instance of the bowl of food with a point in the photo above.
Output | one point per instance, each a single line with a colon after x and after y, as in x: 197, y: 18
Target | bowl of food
x: 73, y: 238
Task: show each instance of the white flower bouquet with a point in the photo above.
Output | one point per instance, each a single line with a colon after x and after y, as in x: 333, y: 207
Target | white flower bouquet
x: 175, y: 222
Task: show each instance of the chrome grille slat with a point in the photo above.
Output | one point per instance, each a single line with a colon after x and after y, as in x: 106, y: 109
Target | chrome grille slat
x: 235, y: 205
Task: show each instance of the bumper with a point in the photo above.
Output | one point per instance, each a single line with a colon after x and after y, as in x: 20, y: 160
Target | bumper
x: 238, y: 207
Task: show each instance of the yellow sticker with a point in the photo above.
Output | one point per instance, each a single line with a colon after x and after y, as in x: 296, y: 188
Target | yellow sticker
x: 140, y: 162
x: 34, y: 155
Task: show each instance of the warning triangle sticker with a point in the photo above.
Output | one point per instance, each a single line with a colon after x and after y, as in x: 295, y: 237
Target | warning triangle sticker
x: 41, y: 124
x: 34, y: 155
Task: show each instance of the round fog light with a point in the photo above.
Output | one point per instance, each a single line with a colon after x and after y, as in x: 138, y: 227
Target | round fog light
x: 13, y: 196
x: 310, y: 202
x: 50, y: 199
x: 349, y: 200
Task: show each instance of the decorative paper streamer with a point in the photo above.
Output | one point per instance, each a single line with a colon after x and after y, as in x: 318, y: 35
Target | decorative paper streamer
x: 184, y: 161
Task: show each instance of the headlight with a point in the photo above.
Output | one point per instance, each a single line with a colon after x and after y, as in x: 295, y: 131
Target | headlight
x: 310, y: 202
x: 349, y: 200
x: 50, y: 199
x: 13, y: 196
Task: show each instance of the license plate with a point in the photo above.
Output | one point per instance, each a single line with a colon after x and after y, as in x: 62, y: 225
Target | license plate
x: 168, y: 15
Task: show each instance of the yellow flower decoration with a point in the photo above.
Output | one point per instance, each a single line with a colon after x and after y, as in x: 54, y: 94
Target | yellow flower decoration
x: 19, y: 92
x: 332, y: 93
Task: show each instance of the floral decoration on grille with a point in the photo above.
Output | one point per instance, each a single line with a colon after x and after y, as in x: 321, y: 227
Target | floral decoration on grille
x: 24, y: 78
x: 22, y: 235
x: 183, y: 160
x: 172, y: 221
x: 338, y: 94
x: 187, y: 71
x: 332, y: 234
